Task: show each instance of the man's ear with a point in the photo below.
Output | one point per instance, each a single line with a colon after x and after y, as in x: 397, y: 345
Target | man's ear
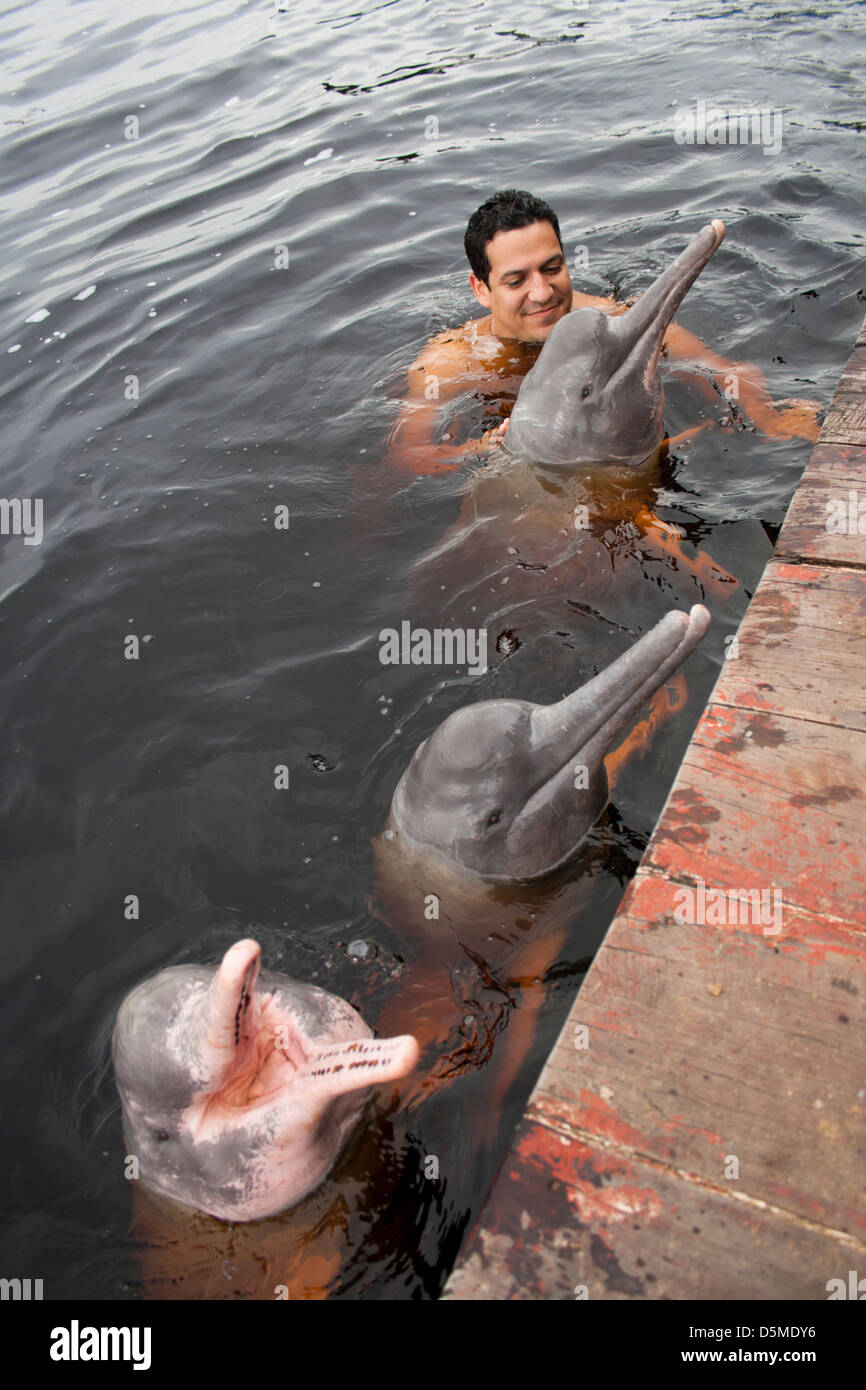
x: 479, y: 289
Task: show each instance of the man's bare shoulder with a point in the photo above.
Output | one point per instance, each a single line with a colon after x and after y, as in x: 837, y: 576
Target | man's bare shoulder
x: 452, y: 350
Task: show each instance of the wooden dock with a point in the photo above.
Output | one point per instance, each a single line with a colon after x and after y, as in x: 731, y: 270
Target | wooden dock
x: 698, y: 1130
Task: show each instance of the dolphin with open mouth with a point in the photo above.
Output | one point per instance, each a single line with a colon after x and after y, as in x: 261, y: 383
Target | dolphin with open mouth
x: 240, y: 1087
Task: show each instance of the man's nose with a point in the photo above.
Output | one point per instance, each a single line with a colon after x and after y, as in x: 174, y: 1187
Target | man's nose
x: 539, y: 288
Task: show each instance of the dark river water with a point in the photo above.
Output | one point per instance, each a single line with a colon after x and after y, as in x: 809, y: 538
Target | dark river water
x: 167, y: 384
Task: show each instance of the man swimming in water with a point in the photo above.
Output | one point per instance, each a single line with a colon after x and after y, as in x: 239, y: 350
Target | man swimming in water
x: 519, y: 274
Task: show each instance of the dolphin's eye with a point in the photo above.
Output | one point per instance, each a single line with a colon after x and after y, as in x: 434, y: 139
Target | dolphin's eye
x: 162, y: 1135
x: 493, y: 818
x: 587, y: 391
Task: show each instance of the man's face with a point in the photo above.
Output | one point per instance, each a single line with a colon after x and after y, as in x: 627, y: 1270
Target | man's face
x: 530, y: 288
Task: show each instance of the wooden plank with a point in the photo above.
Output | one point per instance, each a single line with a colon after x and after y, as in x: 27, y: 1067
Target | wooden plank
x: 696, y: 1044
x: 823, y: 498
x: 567, y: 1219
x: 846, y: 420
x: 801, y: 648
x: 855, y: 368
x: 766, y: 801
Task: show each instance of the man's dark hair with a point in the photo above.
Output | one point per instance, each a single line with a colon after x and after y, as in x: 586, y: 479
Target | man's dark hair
x: 504, y: 212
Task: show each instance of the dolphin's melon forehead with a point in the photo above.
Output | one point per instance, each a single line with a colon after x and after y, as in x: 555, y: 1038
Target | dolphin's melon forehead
x: 473, y: 738
x: 150, y: 1012
x: 581, y: 327
x: 157, y: 1001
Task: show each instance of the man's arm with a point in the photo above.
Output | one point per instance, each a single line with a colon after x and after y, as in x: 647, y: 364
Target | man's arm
x: 789, y: 419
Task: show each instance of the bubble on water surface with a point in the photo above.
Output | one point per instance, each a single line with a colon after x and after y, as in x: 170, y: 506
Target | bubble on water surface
x: 361, y: 950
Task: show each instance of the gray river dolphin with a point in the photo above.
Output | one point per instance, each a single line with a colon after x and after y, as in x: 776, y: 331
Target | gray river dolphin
x: 595, y: 394
x: 508, y: 789
x: 487, y: 861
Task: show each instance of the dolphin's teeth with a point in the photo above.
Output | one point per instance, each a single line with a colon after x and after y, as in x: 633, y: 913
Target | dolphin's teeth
x: 350, y: 1066
x: 373, y: 1045
x: 388, y: 1058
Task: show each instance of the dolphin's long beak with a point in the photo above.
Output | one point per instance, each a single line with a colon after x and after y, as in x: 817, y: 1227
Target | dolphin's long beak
x: 352, y: 1066
x: 589, y: 720
x: 228, y: 1017
x: 645, y: 323
x: 574, y: 734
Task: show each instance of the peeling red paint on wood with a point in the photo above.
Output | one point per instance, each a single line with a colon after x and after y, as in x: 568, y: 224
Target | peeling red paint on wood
x: 819, y: 671
x: 542, y: 1237
x: 762, y: 837
x: 590, y: 1113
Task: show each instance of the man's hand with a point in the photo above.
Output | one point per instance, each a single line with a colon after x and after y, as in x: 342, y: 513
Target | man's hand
x: 490, y: 438
x: 791, y: 418
x: 414, y: 450
x: 787, y: 419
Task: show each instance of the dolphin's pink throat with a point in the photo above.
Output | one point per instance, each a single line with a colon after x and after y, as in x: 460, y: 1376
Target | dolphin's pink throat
x: 256, y: 1055
x: 254, y: 1041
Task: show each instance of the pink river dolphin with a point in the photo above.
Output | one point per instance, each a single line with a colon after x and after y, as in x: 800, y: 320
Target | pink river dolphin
x: 240, y: 1087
